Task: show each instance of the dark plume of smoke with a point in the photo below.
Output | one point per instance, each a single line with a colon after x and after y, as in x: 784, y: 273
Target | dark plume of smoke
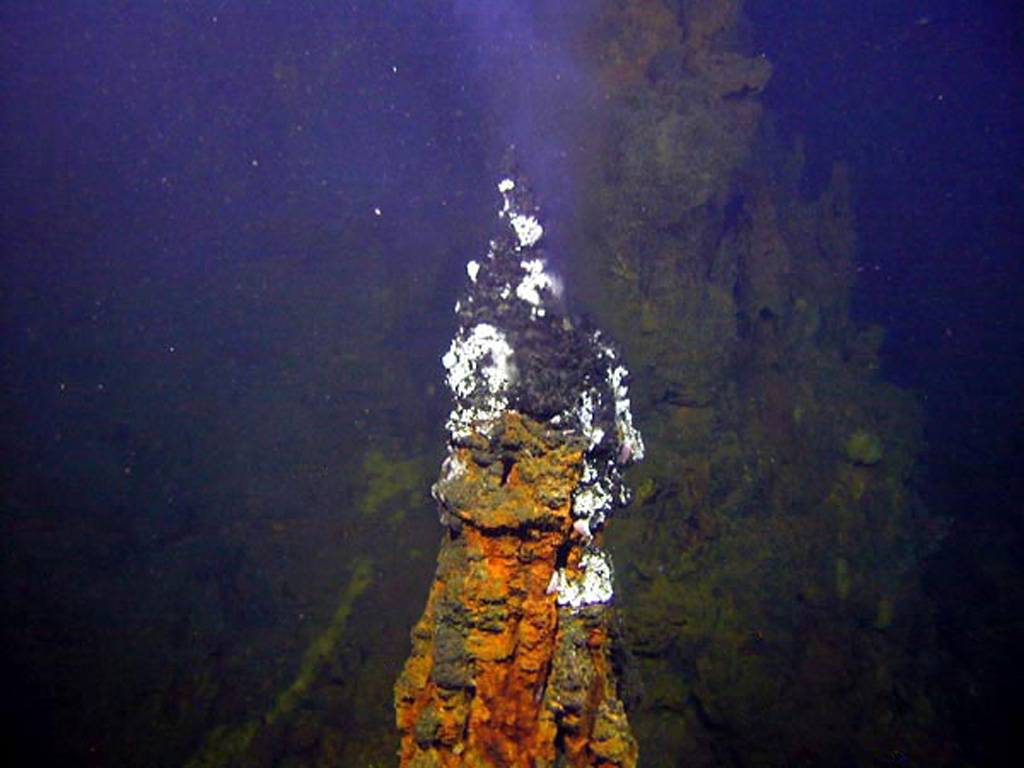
x: 538, y: 96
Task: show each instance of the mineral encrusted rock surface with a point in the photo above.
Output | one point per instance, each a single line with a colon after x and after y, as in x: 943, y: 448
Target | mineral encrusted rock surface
x: 512, y: 660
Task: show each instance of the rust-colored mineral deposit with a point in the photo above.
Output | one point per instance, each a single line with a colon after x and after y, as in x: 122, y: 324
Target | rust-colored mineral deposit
x: 500, y: 675
x: 512, y: 660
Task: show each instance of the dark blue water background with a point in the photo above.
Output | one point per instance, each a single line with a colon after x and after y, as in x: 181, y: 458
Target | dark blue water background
x: 150, y: 150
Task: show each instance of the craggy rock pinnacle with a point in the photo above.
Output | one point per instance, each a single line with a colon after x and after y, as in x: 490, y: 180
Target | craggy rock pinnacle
x: 512, y: 661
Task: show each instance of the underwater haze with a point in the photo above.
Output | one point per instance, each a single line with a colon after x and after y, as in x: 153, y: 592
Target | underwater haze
x: 233, y: 236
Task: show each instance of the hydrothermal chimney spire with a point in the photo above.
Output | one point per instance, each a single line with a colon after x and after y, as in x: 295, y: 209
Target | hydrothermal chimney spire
x: 511, y: 661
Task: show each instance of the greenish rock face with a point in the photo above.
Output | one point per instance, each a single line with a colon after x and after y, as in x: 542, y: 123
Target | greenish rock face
x: 864, y: 448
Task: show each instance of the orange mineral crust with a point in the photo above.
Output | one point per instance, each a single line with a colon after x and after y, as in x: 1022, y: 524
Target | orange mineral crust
x: 500, y: 674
